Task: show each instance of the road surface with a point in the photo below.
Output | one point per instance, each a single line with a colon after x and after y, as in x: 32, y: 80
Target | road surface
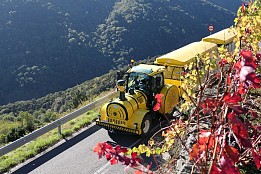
x: 76, y: 156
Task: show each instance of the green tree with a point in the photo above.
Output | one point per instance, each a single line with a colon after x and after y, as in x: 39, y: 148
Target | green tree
x: 2, y: 138
x: 27, y: 121
x: 9, y: 117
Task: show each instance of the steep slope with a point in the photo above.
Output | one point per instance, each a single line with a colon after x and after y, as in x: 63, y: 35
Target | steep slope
x: 51, y: 46
x: 148, y: 28
x: 43, y: 46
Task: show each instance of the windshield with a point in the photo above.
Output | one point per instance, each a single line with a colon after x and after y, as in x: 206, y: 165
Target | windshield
x: 135, y: 79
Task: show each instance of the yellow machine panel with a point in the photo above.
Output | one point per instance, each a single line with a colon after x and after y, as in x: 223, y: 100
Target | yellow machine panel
x: 170, y: 98
x: 186, y: 54
x: 222, y: 37
x: 119, y: 114
x: 137, y: 118
x: 173, y: 82
x: 173, y: 72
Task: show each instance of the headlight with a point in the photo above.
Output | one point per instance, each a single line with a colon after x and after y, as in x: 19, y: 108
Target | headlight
x: 135, y: 125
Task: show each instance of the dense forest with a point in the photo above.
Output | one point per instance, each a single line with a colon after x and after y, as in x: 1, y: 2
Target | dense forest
x: 49, y: 46
x: 20, y: 118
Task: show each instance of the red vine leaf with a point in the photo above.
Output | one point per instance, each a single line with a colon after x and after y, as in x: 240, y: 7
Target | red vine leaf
x: 246, y: 54
x: 241, y: 88
x: 102, y: 148
x: 134, y: 155
x: 138, y: 172
x: 249, y: 59
x: 126, y: 160
x: 158, y: 98
x: 227, y: 165
x: 232, y: 153
x: 120, y: 149
x: 241, y: 132
x: 240, y: 129
x: 108, y: 156
x: 228, y: 80
x: 232, y: 99
x: 232, y: 117
x: 258, y: 128
x: 134, y: 159
x: 243, y: 7
x: 253, y: 113
x: 232, y: 102
x: 257, y: 158
x: 208, y: 105
x: 238, y: 65
x: 215, y: 169
x: 222, y: 62
x: 113, y: 161
x: 206, y: 137
x: 156, y: 107
x: 244, y: 142
x: 251, y: 62
x: 237, y: 108
x: 253, y: 79
x: 196, y: 151
x: 258, y: 56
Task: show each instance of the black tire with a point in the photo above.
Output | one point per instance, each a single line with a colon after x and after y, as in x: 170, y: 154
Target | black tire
x: 146, y: 125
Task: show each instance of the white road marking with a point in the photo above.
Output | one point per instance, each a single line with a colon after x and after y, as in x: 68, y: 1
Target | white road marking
x: 102, y: 168
x: 108, y: 163
x: 133, y: 144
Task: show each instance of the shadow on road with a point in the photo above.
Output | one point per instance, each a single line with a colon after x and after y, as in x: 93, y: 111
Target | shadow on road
x: 131, y: 141
x: 56, y: 151
x: 124, y: 140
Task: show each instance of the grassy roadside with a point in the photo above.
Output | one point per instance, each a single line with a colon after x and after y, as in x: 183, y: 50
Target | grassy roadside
x: 49, y: 139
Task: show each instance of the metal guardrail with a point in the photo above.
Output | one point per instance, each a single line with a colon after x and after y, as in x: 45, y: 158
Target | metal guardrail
x: 56, y: 124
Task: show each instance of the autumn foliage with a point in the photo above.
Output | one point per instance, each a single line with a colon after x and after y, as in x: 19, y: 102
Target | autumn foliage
x: 232, y: 138
x: 158, y: 98
x: 116, y: 154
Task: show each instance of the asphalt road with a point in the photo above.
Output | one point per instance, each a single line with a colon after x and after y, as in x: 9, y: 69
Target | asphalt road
x: 76, y: 156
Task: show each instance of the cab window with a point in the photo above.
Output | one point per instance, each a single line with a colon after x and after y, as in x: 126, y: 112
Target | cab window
x: 158, y: 82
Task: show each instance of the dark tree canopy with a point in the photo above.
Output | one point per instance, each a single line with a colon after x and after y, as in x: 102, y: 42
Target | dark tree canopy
x: 50, y: 46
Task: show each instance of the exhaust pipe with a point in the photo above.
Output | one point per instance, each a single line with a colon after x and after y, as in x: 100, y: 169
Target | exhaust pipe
x: 121, y: 86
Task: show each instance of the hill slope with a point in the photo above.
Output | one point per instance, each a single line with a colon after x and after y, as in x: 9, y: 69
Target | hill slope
x: 51, y: 46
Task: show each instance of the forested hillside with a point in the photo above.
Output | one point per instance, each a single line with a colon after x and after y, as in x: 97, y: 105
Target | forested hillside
x: 51, y: 46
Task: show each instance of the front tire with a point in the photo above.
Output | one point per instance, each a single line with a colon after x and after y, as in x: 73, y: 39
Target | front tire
x: 146, y: 125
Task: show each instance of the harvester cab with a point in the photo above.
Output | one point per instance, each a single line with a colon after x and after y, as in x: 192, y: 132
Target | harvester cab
x: 147, y: 79
x: 133, y: 111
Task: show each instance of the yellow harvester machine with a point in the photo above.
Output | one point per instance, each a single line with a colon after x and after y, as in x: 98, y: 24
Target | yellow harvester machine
x: 133, y: 111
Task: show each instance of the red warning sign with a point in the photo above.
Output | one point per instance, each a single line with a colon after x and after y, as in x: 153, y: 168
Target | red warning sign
x: 211, y: 28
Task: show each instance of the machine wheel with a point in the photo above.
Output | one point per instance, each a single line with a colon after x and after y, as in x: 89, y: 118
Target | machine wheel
x: 146, y: 125
x: 111, y: 131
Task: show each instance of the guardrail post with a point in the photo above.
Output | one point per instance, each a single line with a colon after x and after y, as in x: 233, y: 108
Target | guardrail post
x: 60, y: 130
